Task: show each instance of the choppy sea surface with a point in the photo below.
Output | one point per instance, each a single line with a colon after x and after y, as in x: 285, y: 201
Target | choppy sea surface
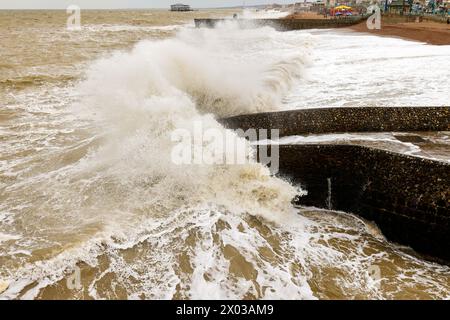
x: 91, y: 207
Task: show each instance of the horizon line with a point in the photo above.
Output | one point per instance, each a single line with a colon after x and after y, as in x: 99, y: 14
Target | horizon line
x: 133, y: 8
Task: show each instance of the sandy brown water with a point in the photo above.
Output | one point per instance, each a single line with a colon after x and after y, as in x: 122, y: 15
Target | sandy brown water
x: 92, y: 210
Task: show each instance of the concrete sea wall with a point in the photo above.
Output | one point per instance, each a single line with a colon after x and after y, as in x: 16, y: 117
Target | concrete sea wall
x: 407, y: 196
x: 284, y: 24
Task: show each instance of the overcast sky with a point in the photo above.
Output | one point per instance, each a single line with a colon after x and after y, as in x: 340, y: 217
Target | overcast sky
x: 117, y: 4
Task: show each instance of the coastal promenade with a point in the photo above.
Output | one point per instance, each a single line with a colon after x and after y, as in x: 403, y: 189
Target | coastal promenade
x: 420, y: 29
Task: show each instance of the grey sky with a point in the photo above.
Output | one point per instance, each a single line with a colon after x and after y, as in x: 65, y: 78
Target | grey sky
x: 115, y: 4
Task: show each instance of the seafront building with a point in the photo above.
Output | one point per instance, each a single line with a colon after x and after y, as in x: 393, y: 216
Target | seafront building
x: 438, y: 8
x: 180, y: 7
x: 398, y: 7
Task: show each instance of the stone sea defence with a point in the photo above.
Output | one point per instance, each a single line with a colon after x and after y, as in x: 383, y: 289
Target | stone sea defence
x: 407, y: 196
x: 343, y: 119
x: 284, y: 24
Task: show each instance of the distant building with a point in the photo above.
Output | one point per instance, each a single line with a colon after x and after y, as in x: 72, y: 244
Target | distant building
x: 180, y: 7
x: 318, y: 6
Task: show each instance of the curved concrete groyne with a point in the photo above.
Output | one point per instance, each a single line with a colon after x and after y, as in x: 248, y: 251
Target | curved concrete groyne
x: 283, y: 24
x: 338, y: 120
x: 407, y: 196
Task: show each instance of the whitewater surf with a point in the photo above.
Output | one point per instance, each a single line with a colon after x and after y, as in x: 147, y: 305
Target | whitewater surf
x: 93, y: 208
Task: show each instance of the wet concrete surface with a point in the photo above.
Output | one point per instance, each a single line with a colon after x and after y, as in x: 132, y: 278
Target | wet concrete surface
x: 431, y: 145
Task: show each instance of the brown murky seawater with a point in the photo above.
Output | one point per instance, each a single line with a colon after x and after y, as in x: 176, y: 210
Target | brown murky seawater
x: 91, y: 206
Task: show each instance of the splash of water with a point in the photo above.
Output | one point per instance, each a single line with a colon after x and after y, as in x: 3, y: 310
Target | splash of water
x: 126, y: 182
x: 264, y: 14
